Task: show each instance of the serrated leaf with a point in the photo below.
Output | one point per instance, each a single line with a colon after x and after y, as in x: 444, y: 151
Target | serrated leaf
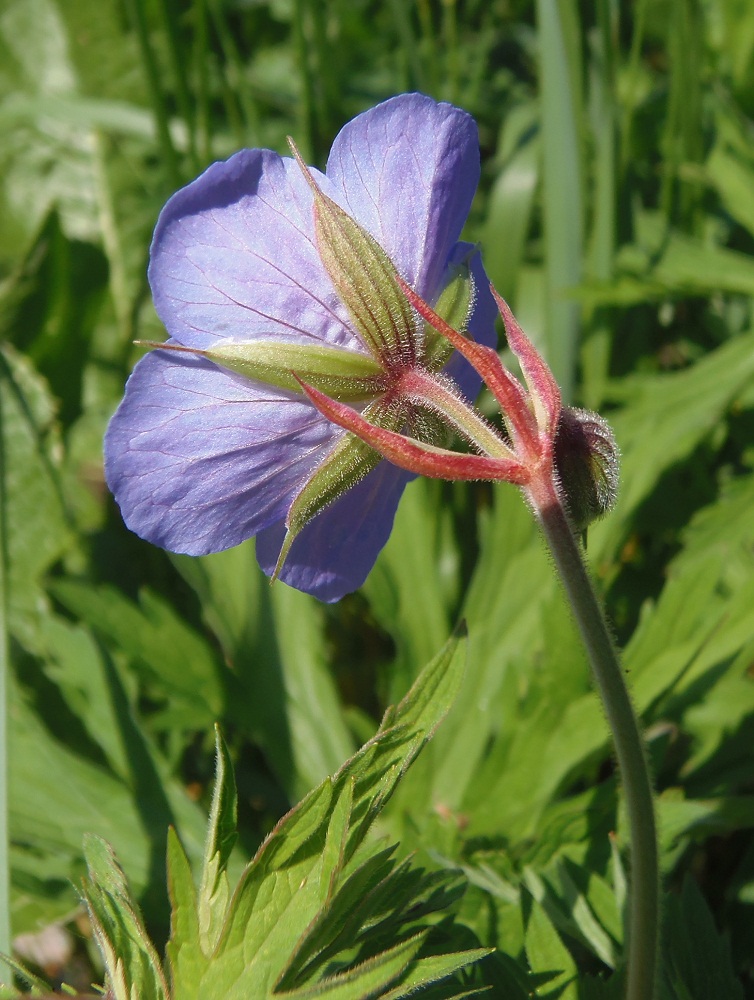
x: 175, y: 657
x: 336, y: 841
x: 585, y: 920
x: 58, y: 794
x: 285, y: 921
x: 364, y: 981
x: 431, y: 695
x: 186, y: 956
x: 338, y: 924
x: 426, y: 971
x: 37, y: 531
x: 571, y: 913
x: 214, y: 890
x: 696, y: 961
x: 550, y: 961
x: 133, y: 968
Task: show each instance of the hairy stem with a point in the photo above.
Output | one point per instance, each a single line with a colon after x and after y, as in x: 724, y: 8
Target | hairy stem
x: 440, y: 395
x: 641, y: 946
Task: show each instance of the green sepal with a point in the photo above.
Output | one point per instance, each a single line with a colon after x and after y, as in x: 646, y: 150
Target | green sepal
x: 345, y: 375
x: 364, y: 277
x: 455, y: 305
x: 345, y: 465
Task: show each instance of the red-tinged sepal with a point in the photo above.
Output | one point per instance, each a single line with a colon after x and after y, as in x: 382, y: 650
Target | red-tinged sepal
x: 508, y: 392
x: 346, y: 464
x: 455, y: 305
x: 544, y: 391
x: 414, y: 456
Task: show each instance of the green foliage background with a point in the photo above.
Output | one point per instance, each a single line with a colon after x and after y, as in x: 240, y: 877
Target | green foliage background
x: 616, y: 213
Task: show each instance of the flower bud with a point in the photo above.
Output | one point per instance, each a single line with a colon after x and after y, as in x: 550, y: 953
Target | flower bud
x: 586, y: 457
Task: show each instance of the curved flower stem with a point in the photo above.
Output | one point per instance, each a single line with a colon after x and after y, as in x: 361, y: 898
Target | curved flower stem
x: 641, y: 947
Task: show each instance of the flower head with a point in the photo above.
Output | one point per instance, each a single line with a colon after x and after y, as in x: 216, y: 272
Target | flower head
x: 266, y: 275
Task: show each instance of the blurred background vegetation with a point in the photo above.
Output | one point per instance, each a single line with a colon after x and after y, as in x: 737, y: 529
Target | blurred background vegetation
x: 616, y: 214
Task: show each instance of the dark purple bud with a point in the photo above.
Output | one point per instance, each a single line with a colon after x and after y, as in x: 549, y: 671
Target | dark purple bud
x: 587, y: 460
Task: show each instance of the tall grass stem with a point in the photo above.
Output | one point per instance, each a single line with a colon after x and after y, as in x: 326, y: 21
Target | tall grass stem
x: 156, y: 93
x: 177, y: 62
x: 6, y: 976
x: 562, y: 129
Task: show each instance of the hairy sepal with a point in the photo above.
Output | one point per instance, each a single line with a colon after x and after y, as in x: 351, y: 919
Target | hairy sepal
x: 364, y: 277
x: 455, y: 305
x: 345, y: 465
x: 415, y: 456
x: 341, y: 373
x: 505, y: 388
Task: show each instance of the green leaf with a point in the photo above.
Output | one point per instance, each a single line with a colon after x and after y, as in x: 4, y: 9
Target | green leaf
x: 319, y: 910
x: 371, y: 978
x: 187, y: 959
x: 733, y: 177
x: 480, y: 769
x: 699, y: 819
x: 668, y: 416
x: 560, y: 70
x: 511, y: 199
x: 570, y: 911
x: 57, y: 794
x: 36, y: 528
x: 319, y: 737
x: 408, y: 588
x: 664, y: 262
x: 695, y: 959
x: 550, y: 961
x: 281, y: 690
x: 133, y: 968
x: 176, y: 659
x: 214, y: 890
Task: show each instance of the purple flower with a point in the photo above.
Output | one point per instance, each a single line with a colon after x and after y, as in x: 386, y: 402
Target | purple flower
x: 201, y: 457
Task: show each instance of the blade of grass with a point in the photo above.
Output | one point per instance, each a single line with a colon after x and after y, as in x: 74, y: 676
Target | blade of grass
x: 630, y: 97
x: 329, y: 85
x: 450, y: 44
x: 308, y: 112
x: 6, y: 976
x: 201, y: 56
x: 683, y: 142
x: 167, y: 16
x: 511, y: 200
x: 429, y: 49
x: 238, y: 95
x: 410, y: 64
x: 595, y: 355
x: 560, y: 75
x: 156, y: 92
